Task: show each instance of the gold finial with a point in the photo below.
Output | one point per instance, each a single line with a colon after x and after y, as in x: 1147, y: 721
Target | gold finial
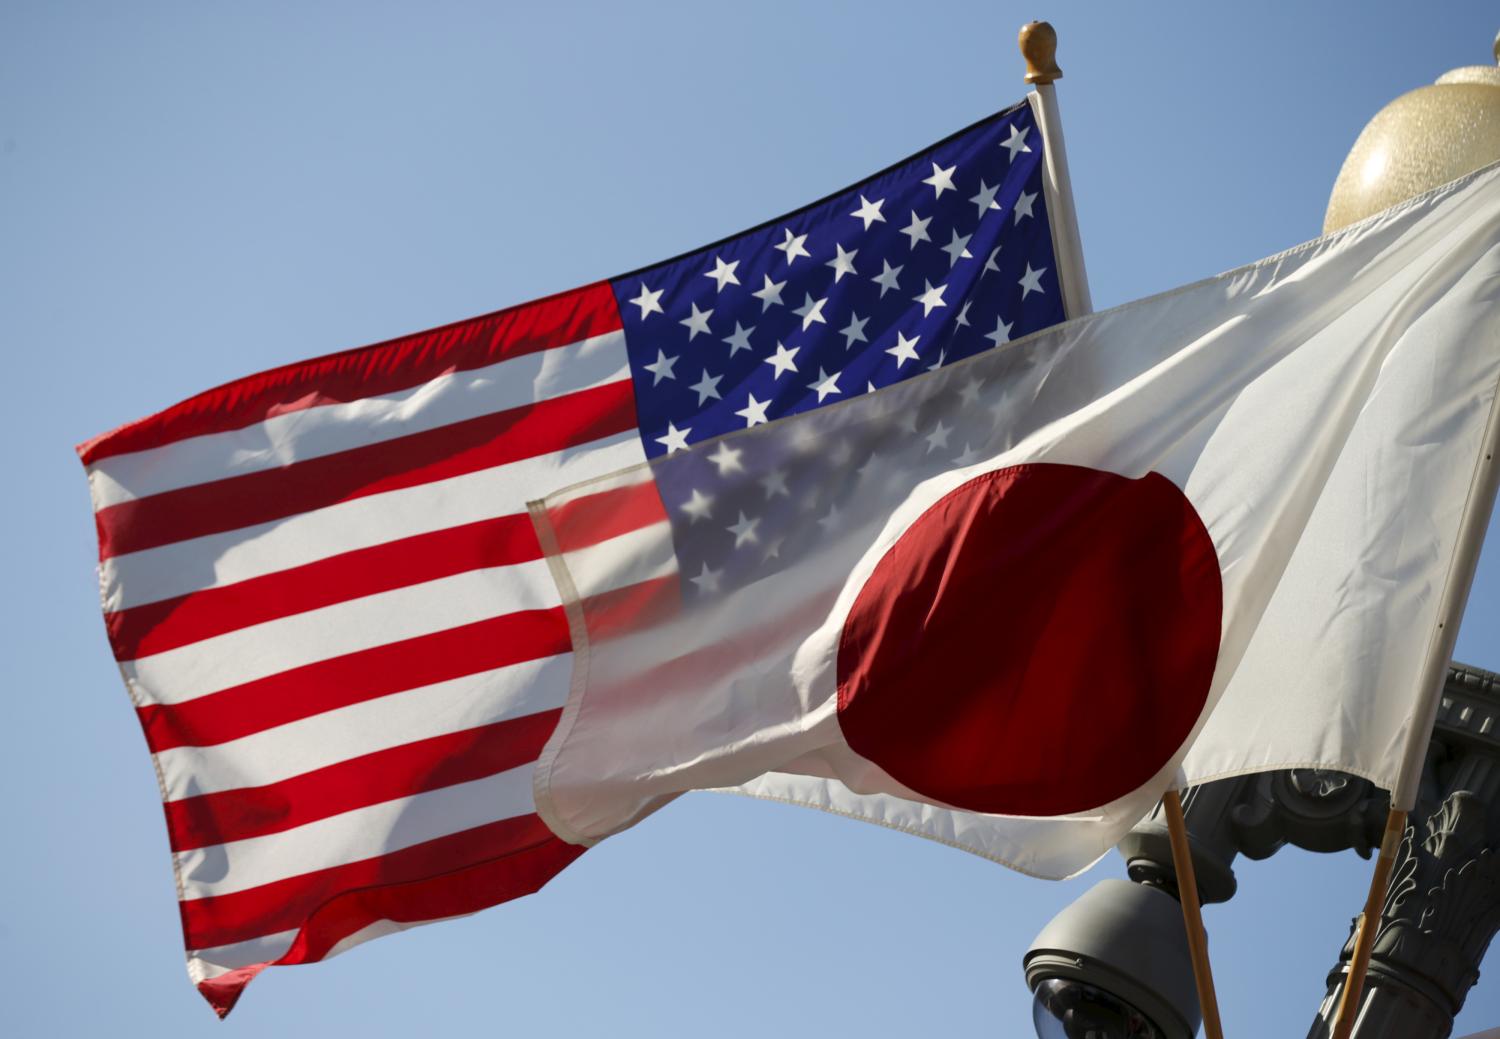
x: 1038, y: 43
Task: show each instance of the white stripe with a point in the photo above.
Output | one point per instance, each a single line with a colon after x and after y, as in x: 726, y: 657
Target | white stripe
x: 328, y: 429
x: 213, y: 664
x: 363, y: 833
x: 639, y: 555
x: 209, y: 665
x: 364, y: 728
x: 237, y: 555
x: 224, y: 958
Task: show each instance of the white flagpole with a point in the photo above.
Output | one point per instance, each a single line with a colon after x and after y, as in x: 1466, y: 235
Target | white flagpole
x: 1455, y: 596
x: 1038, y: 42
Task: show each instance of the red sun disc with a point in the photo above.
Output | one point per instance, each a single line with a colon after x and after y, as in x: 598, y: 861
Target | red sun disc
x: 1040, y: 641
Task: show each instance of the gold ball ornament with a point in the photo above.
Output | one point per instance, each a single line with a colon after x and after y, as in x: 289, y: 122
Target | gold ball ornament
x: 1419, y: 141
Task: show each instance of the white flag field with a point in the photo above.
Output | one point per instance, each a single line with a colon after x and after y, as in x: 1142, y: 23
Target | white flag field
x: 1006, y: 603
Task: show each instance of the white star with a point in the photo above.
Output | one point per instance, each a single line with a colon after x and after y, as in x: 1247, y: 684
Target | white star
x: 744, y: 530
x: 1031, y: 281
x: 970, y: 393
x: 771, y: 293
x: 676, y: 439
x: 1023, y: 205
x: 697, y: 321
x: 723, y: 273
x: 941, y: 179
x: 958, y: 249
x: 963, y: 315
x: 869, y: 384
x: 825, y: 384
x: 775, y: 483
x: 727, y: 459
x: 916, y: 230
x: 843, y: 263
x: 793, y: 246
x: 869, y: 211
x: 782, y: 361
x: 830, y: 518
x: 739, y: 339
x: 904, y: 350
x: 661, y: 368
x: 938, y: 437
x: 708, y: 580
x: 1016, y: 142
x: 1001, y: 334
x: 990, y: 264
x: 942, y: 356
x: 886, y: 279
x: 805, y: 438
x: 906, y: 419
x: 754, y: 413
x: 931, y: 298
x: 707, y: 387
x: 698, y: 507
x: 969, y: 456
x: 773, y: 550
x: 811, y: 311
x: 986, y: 197
x: 854, y: 331
x: 648, y: 301
x: 1001, y: 410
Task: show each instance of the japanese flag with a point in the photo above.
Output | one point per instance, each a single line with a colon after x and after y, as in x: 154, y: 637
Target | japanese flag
x: 1003, y: 603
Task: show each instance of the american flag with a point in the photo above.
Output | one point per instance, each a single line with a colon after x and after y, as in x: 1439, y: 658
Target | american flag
x: 329, y: 604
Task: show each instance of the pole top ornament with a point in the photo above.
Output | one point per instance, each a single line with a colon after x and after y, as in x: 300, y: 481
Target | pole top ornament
x: 1038, y: 43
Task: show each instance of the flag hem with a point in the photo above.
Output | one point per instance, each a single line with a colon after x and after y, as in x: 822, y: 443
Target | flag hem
x: 578, y: 635
x: 909, y: 830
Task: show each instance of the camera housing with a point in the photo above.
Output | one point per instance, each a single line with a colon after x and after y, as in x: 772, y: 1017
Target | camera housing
x: 1114, y: 963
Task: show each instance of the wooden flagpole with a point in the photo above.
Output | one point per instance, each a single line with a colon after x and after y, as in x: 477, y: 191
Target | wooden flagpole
x: 1192, y: 915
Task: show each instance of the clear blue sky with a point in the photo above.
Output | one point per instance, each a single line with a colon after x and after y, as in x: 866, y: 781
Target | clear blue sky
x: 192, y: 192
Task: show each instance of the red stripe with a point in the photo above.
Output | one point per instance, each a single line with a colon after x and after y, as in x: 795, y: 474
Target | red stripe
x: 452, y: 893
x: 384, y: 775
x: 286, y: 904
x: 355, y: 677
x: 371, y: 371
x: 599, y: 517
x: 435, y: 454
x: 155, y: 627
x: 633, y: 608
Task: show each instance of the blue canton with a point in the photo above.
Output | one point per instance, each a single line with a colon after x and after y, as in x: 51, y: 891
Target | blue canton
x: 940, y: 257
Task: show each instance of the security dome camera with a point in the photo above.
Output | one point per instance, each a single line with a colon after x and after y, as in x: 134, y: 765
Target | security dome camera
x: 1114, y: 965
